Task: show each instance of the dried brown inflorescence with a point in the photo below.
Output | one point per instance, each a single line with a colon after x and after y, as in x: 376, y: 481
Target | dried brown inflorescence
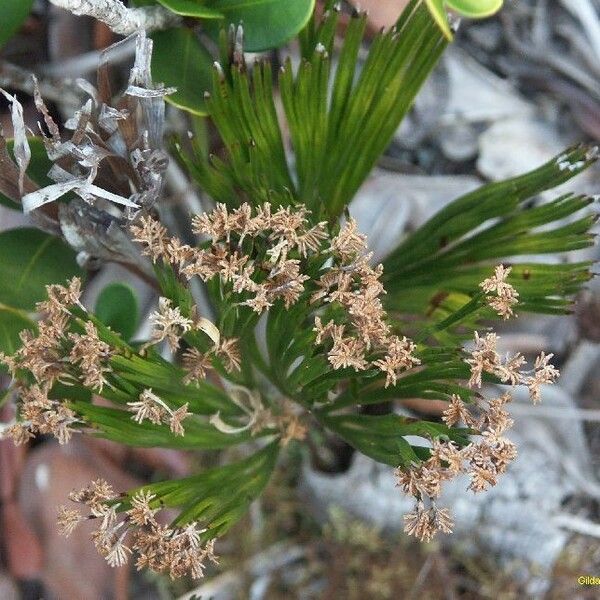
x: 501, y: 295
x: 121, y: 532
x: 264, y: 274
x: 262, y: 256
x: 484, y: 460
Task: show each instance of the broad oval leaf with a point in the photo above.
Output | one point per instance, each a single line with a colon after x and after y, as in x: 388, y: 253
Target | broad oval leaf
x: 191, y: 8
x: 474, y: 9
x: 267, y: 23
x: 12, y: 15
x: 181, y: 61
x: 29, y: 260
x: 117, y: 307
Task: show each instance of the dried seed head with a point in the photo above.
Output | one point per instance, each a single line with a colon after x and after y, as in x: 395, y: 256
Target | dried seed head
x: 506, y: 297
x: 169, y: 324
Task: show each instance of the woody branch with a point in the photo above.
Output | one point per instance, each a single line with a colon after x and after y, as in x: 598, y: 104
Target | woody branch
x: 119, y: 18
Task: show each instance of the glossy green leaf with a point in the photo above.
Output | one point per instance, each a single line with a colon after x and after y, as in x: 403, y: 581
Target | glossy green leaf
x: 39, y: 165
x: 191, y: 8
x: 474, y: 9
x: 117, y: 307
x: 30, y: 260
x: 267, y: 23
x: 12, y: 15
x: 11, y: 323
x: 179, y: 60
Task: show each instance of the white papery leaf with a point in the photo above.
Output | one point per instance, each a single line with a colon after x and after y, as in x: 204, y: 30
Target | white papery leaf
x: 21, y: 148
x: 50, y: 193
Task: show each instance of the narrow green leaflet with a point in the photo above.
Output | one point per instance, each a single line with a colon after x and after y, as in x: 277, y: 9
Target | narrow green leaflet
x: 30, y: 260
x: 217, y: 497
x: 459, y: 246
x: 382, y: 437
x: 12, y: 15
x: 117, y: 307
x: 191, y: 8
x: 340, y: 121
x: 136, y: 373
x: 117, y: 425
x: 179, y: 60
x: 267, y: 23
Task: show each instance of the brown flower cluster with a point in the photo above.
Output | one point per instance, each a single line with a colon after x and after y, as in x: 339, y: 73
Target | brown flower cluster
x: 56, y: 354
x: 196, y: 364
x: 486, y: 359
x: 271, y: 269
x: 150, y: 407
x: 364, y: 340
x: 501, y: 295
x: 40, y: 415
x: 53, y: 354
x: 91, y: 354
x: 49, y: 354
x: 173, y: 551
x: 170, y: 325
x: 261, y: 279
x: 483, y: 461
x: 42, y: 354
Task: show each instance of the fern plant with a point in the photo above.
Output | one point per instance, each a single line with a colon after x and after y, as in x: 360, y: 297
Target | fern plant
x: 306, y: 332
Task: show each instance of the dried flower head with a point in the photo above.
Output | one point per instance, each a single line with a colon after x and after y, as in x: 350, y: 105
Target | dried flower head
x: 424, y: 523
x: 60, y: 298
x: 92, y: 354
x: 169, y: 324
x: 196, y: 364
x: 152, y: 235
x: 228, y: 350
x: 121, y: 532
x: 506, y: 297
x: 152, y: 408
x: 68, y: 520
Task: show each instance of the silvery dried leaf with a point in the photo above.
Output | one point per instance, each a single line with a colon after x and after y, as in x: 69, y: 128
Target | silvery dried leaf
x: 50, y: 193
x: 21, y: 148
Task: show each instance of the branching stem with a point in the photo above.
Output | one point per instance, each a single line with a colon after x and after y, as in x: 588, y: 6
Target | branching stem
x: 119, y: 18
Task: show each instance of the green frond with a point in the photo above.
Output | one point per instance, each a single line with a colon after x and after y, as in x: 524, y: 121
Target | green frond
x: 339, y: 121
x: 459, y: 246
x: 217, y: 497
x: 116, y: 425
x: 383, y: 437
